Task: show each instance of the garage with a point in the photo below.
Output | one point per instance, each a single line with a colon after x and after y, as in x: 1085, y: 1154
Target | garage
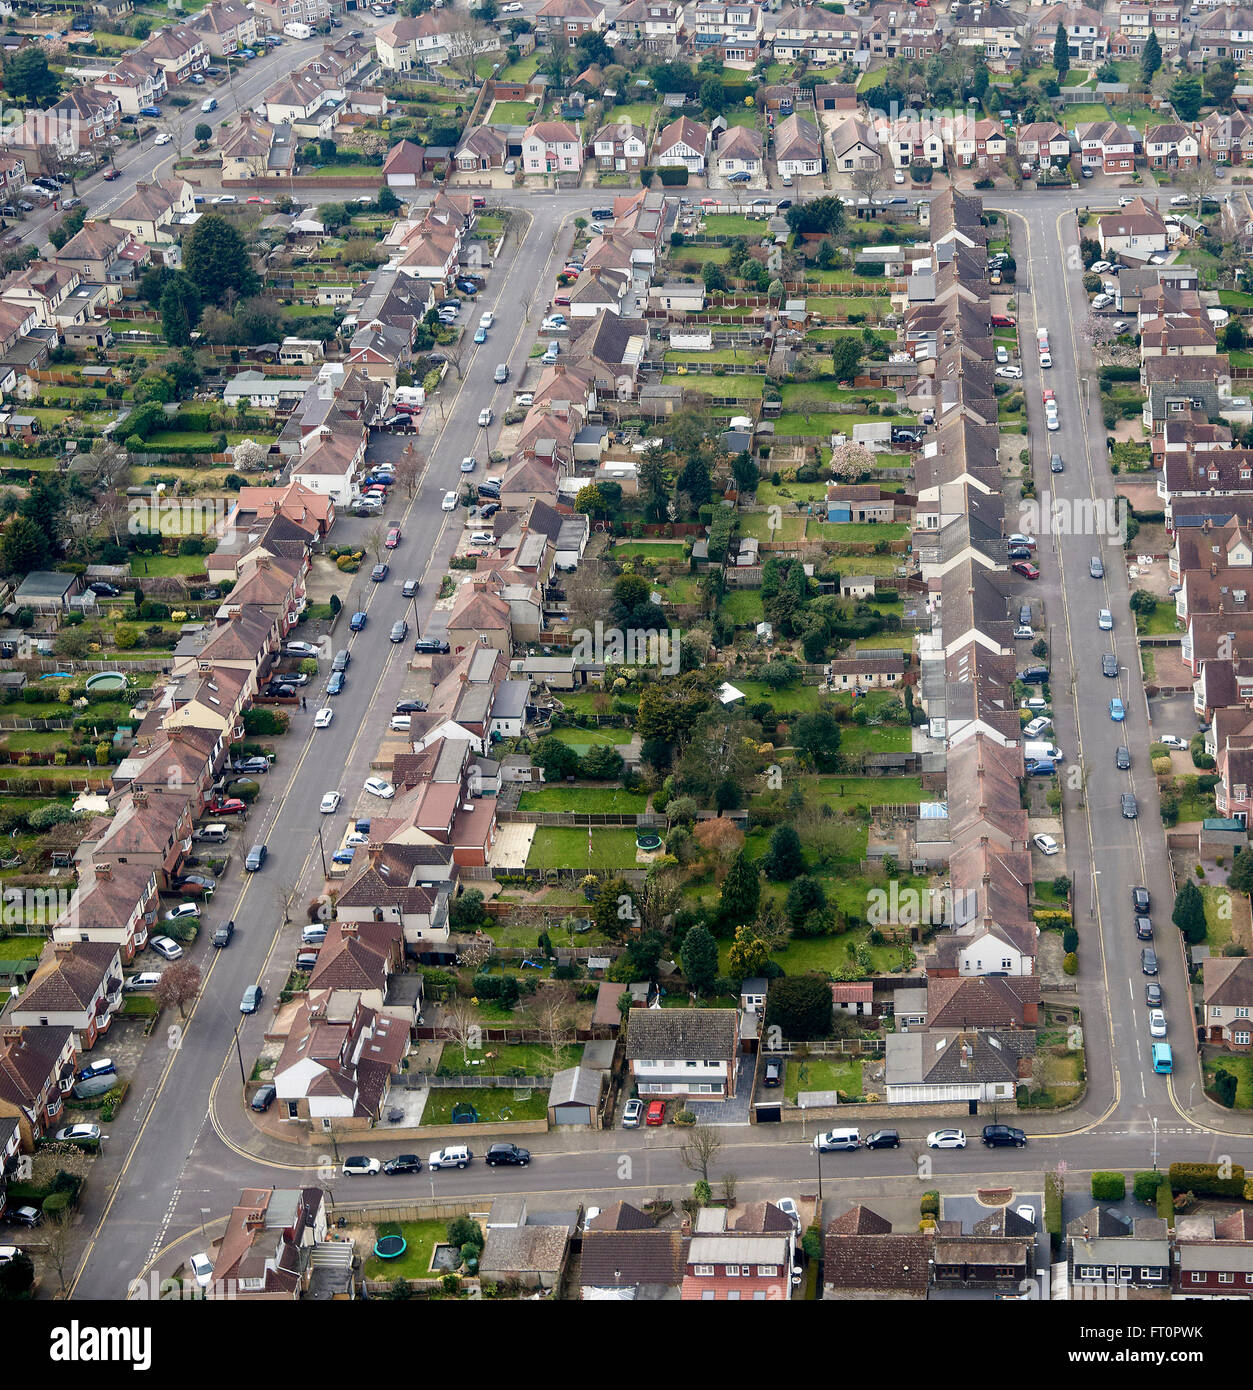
x: 575, y: 1097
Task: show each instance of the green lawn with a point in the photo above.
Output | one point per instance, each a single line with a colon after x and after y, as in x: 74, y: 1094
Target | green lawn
x: 759, y: 526
x: 421, y: 1238
x: 733, y: 388
x: 726, y: 357
x: 1241, y: 1067
x: 743, y: 607
x: 162, y: 566
x: 592, y: 800
x: 512, y: 112
x: 560, y: 848
x: 534, y: 1059
x: 843, y: 305
x: 523, y: 69
x: 1085, y: 111
x: 1218, y: 931
x: 874, y: 738
x: 792, y: 699
x: 703, y: 255
x: 870, y: 80
x: 583, y: 739
x: 731, y: 224
x: 1162, y: 620
x: 637, y: 112
x: 849, y: 532
x: 789, y: 494
x: 847, y: 793
x: 492, y: 1103
x: 21, y: 947
x: 649, y: 550
x: 823, y: 1074
x: 796, y: 391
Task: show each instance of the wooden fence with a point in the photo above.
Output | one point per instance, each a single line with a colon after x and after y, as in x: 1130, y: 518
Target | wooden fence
x: 416, y: 1080
x: 828, y: 1047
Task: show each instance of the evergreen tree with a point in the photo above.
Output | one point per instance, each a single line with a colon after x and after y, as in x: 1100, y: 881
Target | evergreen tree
x: 699, y: 958
x: 174, y: 321
x: 216, y: 259
x: 1150, y: 57
x: 784, y: 860
x: 1061, y: 52
x: 741, y: 891
x: 1189, y: 913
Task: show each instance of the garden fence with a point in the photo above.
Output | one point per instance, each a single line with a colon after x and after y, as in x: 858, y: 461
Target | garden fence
x: 828, y: 1047
x: 415, y: 1081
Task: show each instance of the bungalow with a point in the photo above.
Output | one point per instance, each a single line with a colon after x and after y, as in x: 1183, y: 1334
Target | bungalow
x: 739, y: 152
x: 683, y: 1052
x: 481, y: 147
x: 797, y: 148
x: 854, y: 145
x: 683, y: 143
x: 957, y: 1064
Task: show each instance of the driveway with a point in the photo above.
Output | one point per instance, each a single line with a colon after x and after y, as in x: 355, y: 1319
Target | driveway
x: 729, y: 1112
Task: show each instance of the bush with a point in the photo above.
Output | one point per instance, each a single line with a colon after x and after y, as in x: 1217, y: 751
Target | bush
x: 930, y: 1204
x: 1144, y: 1187
x: 1054, y: 1187
x: 1070, y: 941
x: 1070, y: 963
x: 1204, y: 1179
x: 1108, y: 1187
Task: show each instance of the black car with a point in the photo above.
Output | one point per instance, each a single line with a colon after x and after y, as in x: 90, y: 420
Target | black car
x: 336, y: 683
x: 430, y: 644
x: 194, y: 883
x: 103, y: 590
x: 1144, y: 928
x: 1034, y: 675
x: 1109, y: 665
x: 379, y: 573
x: 341, y: 660
x: 1056, y: 465
x: 1122, y: 759
x: 883, y: 1139
x: 264, y: 1098
x: 222, y: 937
x: 1129, y: 808
x: 1140, y: 899
x: 772, y: 1073
x: 506, y: 1153
x: 1020, y: 552
x: 1148, y: 961
x: 399, y: 424
x: 488, y: 510
x: 411, y: 707
x: 1153, y: 994
x: 403, y: 1163
x: 410, y: 587
x: 1003, y: 1137
x: 279, y: 691
x: 1024, y: 615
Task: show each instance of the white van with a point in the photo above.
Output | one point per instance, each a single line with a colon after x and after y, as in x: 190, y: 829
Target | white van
x: 409, y: 396
x: 297, y: 31
x: 215, y: 833
x: 836, y: 1139
x: 1034, y: 750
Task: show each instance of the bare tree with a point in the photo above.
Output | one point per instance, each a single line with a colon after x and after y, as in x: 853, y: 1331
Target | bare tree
x: 407, y: 470
x: 461, y: 1021
x: 477, y: 952
x: 374, y: 539
x: 1199, y: 182
x: 868, y: 178
x: 588, y: 590
x: 809, y: 404
x: 114, y: 511
x: 659, y: 897
x: 58, y: 1245
x: 285, y: 896
x: 103, y: 466
x: 553, y: 1015
x: 702, y: 1147
x: 81, y: 527
x: 729, y: 1182
x: 178, y: 986
x: 464, y: 45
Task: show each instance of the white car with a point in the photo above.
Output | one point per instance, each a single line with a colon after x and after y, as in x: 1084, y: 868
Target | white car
x: 946, y: 1139
x: 376, y: 786
x: 524, y: 398
x: 1157, y: 1023
x: 1037, y: 726
x: 163, y: 139
x: 1009, y: 373
x: 1180, y: 200
x: 224, y: 198
x: 1173, y: 741
x: 449, y: 504
x: 355, y: 838
x: 1102, y: 301
x: 787, y: 1205
x: 1124, y: 201
x: 1046, y: 844
x: 1105, y: 620
x: 202, y: 1269
x: 177, y: 914
x: 164, y: 946
x: 1100, y: 267
x: 1045, y: 359
x: 300, y: 648
x: 1052, y: 422
x: 146, y: 979
x: 360, y: 1166
x: 555, y: 324
x: 322, y: 720
x: 486, y: 319
x: 898, y: 176
x: 1019, y: 538
x: 1027, y: 1213
x: 330, y: 803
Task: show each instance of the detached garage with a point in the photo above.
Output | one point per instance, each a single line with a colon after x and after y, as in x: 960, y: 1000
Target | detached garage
x: 575, y: 1098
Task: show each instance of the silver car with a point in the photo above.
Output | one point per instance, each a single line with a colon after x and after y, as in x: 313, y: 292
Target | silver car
x: 631, y: 1113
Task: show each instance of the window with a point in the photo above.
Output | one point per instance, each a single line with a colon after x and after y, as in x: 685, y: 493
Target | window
x: 767, y: 1271
x: 1241, y: 1038
x: 1124, y: 1272
x: 733, y: 1271
x: 1200, y: 1278
x: 703, y: 1271
x: 1242, y: 1013
x: 1091, y: 1272
x: 1226, y: 1278
x: 1151, y: 1272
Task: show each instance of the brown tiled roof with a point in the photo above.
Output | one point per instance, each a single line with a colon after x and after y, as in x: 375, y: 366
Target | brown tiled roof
x: 860, y: 1221
x: 625, y: 1259
x: 891, y: 1263
x: 70, y: 981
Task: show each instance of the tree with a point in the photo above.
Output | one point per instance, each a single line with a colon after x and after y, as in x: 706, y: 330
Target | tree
x: 800, y: 1006
x: 70, y: 225
x: 695, y: 483
x: 825, y: 214
x: 203, y: 132
x: 1220, y: 80
x: 784, y: 860
x: 804, y: 895
x: 1225, y: 1086
x: 553, y: 1015
x: 178, y: 986
x: 1142, y: 601
x: 867, y: 180
x: 556, y: 759
x: 1234, y: 336
x: 466, y: 912
x: 464, y: 44
x: 702, y: 1147
x: 748, y: 955
x: 1061, y: 52
x: 23, y: 547
x: 1199, y: 182
x: 174, y: 321
x: 216, y: 259
x: 1185, y: 96
x: 851, y: 461
x: 817, y: 734
x: 29, y: 80
x: 846, y: 357
x: 1189, y: 913
x: 699, y: 958
x: 1150, y: 57
x: 713, y: 276
x: 17, y: 1276
x: 460, y: 1018
x: 741, y: 891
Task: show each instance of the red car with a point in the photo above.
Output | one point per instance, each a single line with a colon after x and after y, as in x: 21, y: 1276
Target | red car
x: 562, y: 299
x: 393, y: 538
x: 656, y: 1113
x: 111, y: 174
x: 230, y: 806
x: 1004, y: 321
x: 1026, y: 569
x: 1048, y: 394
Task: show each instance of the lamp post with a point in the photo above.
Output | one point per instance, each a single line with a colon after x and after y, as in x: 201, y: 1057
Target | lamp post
x: 322, y: 852
x: 243, y: 1079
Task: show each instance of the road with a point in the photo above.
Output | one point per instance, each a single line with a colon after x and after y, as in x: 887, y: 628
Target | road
x: 179, y: 1154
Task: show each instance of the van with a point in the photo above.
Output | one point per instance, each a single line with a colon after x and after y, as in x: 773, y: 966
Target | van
x: 835, y: 1139
x: 214, y: 834
x: 209, y: 104
x: 551, y: 355
x: 1035, y: 749
x: 297, y: 31
x: 1162, y: 1059
x: 406, y: 397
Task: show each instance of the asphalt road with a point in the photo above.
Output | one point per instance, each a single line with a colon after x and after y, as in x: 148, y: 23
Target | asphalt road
x: 179, y: 1154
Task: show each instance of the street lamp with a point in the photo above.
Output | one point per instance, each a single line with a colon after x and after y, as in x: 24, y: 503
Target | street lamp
x: 1155, y: 1143
x: 322, y: 852
x: 243, y: 1079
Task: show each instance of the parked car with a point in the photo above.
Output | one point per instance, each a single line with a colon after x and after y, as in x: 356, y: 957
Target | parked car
x: 146, y: 979
x: 1026, y: 569
x: 1046, y: 844
x: 1003, y: 1137
x: 164, y: 946
x: 402, y: 1163
x: 431, y: 644
x: 78, y: 1134
x: 1129, y: 808
x: 410, y: 707
x: 451, y: 1156
x: 631, y: 1113
x: 655, y: 1114
x: 222, y: 936
x: 102, y: 1066
x: 1173, y: 741
x: 1148, y: 961
x: 251, y: 765
x: 251, y: 1001
x: 772, y: 1073
x: 1117, y: 710
x: 358, y: 1166
x: 255, y: 859
x: 24, y: 1216
x: 400, y: 630
x: 264, y: 1098
x: 358, y: 621
x: 883, y: 1139
x: 1122, y: 758
x: 376, y: 786
x: 1144, y: 927
x: 1109, y: 665
x: 1140, y: 899
x: 1153, y: 994
x: 182, y: 911
x: 946, y: 1139
x: 506, y: 1154
x: 335, y: 686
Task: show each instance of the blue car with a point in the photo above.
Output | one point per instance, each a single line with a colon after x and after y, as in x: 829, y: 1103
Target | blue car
x: 357, y: 621
x: 1042, y: 767
x: 336, y: 683
x: 1117, y: 710
x: 342, y: 856
x: 480, y: 335
x: 149, y: 110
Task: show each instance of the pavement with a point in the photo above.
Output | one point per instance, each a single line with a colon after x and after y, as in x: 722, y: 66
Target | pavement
x: 182, y: 1148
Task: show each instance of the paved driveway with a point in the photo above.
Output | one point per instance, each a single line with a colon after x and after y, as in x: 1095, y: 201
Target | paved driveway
x: 729, y: 1112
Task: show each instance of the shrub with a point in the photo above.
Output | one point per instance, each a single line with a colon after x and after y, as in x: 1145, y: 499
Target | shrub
x: 930, y: 1204
x: 1070, y: 963
x: 1144, y: 1186
x: 1054, y: 1187
x: 1165, y: 1202
x: 1205, y: 1179
x: 1108, y: 1187
x: 1070, y: 941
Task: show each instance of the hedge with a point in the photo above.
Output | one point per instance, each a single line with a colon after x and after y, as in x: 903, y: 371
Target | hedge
x: 1053, y: 1190
x: 1204, y: 1180
x: 1166, y: 1202
x: 1046, y: 917
x: 1108, y: 1187
x: 1144, y: 1186
x: 930, y: 1204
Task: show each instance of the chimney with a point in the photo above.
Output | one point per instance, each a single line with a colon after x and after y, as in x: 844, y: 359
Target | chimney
x: 347, y: 928
x: 104, y: 872
x: 140, y: 798
x: 12, y: 1036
